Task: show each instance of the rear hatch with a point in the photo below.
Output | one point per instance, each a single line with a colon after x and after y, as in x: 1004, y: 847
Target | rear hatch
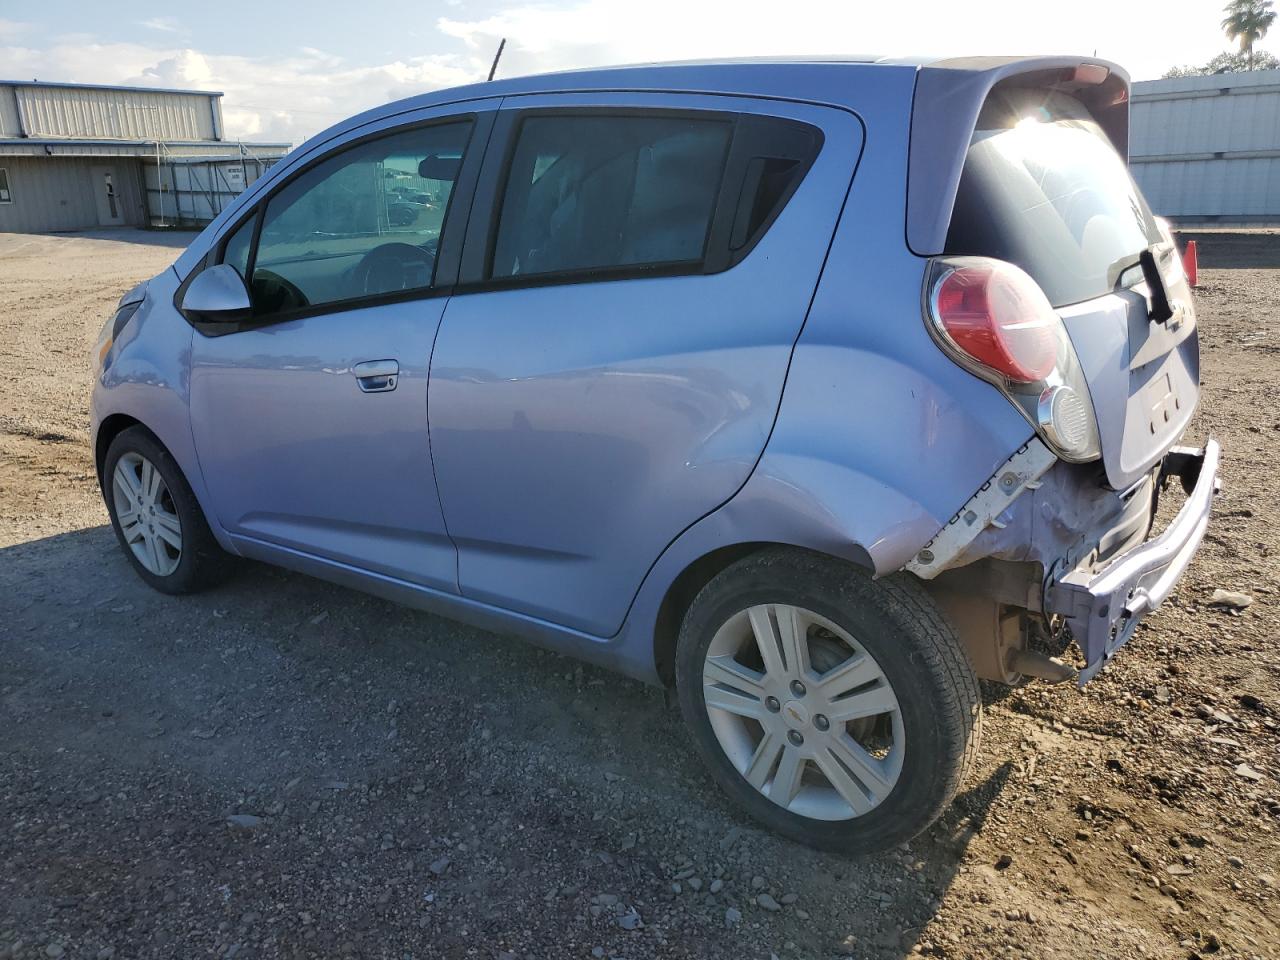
x: 1043, y: 187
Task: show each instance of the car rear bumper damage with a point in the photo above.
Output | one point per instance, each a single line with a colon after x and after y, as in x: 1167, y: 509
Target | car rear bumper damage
x: 1103, y: 608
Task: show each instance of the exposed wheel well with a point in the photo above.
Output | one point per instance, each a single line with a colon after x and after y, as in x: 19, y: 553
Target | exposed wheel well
x: 681, y: 593
x: 108, y: 430
x: 687, y: 586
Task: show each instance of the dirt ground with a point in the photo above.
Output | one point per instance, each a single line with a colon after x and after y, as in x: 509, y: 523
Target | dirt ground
x: 400, y: 786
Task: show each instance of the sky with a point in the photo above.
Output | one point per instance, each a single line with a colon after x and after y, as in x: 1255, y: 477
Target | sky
x: 290, y: 70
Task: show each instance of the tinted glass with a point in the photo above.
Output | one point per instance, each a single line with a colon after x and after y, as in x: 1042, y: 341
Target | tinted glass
x: 363, y: 223
x: 236, y: 252
x: 1044, y: 188
x: 768, y: 183
x: 589, y: 193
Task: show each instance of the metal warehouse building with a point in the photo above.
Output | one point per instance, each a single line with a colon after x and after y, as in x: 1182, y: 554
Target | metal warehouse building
x: 1207, y: 149
x: 75, y: 156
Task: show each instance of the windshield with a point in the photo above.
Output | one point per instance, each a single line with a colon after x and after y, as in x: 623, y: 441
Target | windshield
x: 1044, y: 188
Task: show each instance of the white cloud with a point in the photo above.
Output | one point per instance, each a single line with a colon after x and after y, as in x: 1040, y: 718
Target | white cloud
x: 79, y: 59
x: 11, y: 29
x: 1147, y: 37
x: 299, y: 91
x: 163, y: 24
x: 273, y: 99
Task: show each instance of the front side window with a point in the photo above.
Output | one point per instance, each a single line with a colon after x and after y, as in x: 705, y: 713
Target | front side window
x: 590, y: 193
x: 365, y: 222
x: 236, y: 252
x: 5, y: 195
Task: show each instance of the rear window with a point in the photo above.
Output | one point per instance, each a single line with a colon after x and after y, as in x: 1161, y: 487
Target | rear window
x: 1044, y: 188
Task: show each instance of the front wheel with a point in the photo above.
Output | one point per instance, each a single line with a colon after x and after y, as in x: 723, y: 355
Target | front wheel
x: 838, y: 710
x: 157, y: 519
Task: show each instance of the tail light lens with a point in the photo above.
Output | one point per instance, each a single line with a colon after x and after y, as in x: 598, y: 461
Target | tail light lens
x: 995, y: 321
x: 996, y: 314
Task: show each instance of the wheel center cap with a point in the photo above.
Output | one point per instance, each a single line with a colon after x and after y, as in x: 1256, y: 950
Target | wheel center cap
x: 795, y: 714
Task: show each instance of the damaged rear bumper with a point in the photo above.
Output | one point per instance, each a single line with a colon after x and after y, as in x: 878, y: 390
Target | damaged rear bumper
x: 1103, y: 608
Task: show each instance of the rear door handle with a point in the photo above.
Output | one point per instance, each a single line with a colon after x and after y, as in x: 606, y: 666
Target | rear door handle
x: 377, y: 376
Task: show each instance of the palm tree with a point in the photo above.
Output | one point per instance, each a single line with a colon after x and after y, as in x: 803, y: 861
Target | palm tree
x: 1248, y: 22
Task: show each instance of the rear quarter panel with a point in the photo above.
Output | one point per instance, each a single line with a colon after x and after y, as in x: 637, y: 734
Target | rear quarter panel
x: 887, y: 434
x: 880, y: 438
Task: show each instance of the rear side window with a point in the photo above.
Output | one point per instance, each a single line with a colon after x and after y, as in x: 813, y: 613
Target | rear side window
x: 1044, y: 188
x: 590, y: 193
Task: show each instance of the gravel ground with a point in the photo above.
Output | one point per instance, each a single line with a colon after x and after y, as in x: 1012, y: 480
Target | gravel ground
x: 283, y: 768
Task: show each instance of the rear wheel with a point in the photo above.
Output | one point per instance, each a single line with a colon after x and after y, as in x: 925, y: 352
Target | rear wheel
x: 839, y: 711
x: 156, y: 517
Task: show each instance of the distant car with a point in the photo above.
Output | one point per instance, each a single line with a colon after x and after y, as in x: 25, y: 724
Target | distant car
x: 402, y: 213
x: 815, y: 394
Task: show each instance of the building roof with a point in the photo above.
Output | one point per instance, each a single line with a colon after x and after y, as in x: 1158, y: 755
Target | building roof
x: 174, y: 150
x: 108, y: 86
x: 79, y: 119
x: 122, y: 142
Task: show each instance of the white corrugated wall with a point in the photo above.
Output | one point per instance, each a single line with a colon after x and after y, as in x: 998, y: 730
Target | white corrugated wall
x: 1207, y: 149
x: 10, y: 125
x: 57, y: 193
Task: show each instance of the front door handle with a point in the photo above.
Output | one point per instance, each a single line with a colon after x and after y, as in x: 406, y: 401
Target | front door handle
x: 377, y: 376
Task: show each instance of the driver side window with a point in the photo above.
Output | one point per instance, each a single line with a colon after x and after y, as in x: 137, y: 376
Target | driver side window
x: 364, y: 222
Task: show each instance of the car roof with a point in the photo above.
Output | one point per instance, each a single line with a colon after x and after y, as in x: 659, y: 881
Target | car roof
x: 857, y: 82
x: 659, y: 75
x: 713, y: 75
x: 815, y: 77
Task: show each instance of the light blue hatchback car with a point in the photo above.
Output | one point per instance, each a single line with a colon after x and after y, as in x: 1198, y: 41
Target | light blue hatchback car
x: 813, y: 389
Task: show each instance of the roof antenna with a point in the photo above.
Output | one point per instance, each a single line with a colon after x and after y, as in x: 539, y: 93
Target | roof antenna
x: 496, y: 57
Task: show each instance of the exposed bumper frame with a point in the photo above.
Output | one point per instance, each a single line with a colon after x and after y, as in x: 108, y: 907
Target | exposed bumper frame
x: 1103, y: 609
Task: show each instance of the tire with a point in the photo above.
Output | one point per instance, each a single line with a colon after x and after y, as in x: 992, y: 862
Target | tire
x: 168, y: 509
x: 916, y: 710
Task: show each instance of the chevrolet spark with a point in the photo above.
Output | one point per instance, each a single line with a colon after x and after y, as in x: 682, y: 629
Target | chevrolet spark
x: 814, y: 390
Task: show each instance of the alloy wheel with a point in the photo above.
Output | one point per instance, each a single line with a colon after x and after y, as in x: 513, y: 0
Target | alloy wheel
x: 803, y: 712
x: 146, y: 513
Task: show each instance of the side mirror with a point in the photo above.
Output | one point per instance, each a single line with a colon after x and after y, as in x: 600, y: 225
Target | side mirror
x: 217, y: 295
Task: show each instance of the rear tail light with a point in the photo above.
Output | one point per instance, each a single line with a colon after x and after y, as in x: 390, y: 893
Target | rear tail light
x: 996, y: 314
x: 995, y: 321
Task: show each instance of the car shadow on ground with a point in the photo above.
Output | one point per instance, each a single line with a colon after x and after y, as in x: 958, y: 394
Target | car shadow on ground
x: 321, y: 712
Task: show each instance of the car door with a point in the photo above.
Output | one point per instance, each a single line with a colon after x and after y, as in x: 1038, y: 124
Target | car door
x: 637, y: 269
x: 310, y: 418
